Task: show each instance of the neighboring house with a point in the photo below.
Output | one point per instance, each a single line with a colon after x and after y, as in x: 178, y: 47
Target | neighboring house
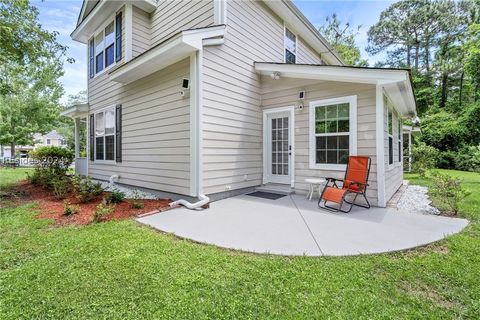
x: 218, y: 97
x: 50, y: 139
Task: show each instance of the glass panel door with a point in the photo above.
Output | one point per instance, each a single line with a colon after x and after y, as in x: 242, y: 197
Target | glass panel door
x: 279, y: 148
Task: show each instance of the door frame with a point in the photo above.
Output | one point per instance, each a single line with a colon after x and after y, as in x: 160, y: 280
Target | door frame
x: 291, y: 137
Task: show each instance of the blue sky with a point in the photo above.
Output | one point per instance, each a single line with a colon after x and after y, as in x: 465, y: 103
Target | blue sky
x: 61, y: 16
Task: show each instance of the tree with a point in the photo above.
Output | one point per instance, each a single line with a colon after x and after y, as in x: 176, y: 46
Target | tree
x: 342, y: 37
x: 30, y: 64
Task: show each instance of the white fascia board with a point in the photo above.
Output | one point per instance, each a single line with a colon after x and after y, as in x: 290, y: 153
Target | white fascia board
x: 301, y: 26
x: 76, y: 111
x: 174, y: 50
x: 101, y: 12
x: 342, y: 74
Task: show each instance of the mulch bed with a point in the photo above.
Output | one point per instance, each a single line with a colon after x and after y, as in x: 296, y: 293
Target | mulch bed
x: 52, y: 208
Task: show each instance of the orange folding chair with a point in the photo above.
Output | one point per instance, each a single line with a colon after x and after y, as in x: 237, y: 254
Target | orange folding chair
x: 355, y: 183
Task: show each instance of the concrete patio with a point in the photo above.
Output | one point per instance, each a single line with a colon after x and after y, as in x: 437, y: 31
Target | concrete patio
x: 293, y: 225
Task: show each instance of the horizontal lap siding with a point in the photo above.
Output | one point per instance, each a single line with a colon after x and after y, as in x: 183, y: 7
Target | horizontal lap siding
x: 172, y: 16
x: 306, y: 55
x: 284, y: 92
x: 232, y: 118
x: 140, y: 31
x: 155, y: 132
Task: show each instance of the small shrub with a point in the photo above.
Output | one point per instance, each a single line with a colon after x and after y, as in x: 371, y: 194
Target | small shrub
x: 85, y: 189
x: 69, y: 209
x: 468, y: 159
x: 424, y: 158
x: 447, y: 192
x: 136, y: 199
x: 61, y: 186
x: 102, y: 210
x: 115, y: 196
x: 51, y: 166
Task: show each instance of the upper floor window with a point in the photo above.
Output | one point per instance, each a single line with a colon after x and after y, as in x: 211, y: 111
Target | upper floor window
x: 290, y: 43
x: 105, y: 46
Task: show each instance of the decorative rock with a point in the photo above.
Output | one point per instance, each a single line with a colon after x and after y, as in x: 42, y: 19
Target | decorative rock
x: 415, y: 199
x: 128, y: 191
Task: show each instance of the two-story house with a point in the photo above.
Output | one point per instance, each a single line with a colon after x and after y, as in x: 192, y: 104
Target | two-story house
x: 217, y: 97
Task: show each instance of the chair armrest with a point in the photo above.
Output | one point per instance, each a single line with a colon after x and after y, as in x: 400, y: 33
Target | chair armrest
x: 359, y: 184
x: 333, y: 180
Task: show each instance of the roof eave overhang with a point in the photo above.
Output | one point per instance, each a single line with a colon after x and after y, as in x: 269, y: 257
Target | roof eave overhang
x: 395, y: 82
x: 76, y: 111
x: 173, y: 50
x: 303, y: 27
x: 102, y: 11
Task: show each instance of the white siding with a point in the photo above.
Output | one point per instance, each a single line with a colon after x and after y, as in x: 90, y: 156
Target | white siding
x: 306, y: 55
x: 156, y: 130
x: 172, y: 16
x: 284, y: 92
x: 140, y: 31
x: 232, y: 119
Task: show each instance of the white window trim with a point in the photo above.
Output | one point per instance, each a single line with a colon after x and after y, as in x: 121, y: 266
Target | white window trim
x: 390, y: 165
x: 352, y: 101
x: 95, y: 160
x: 291, y: 133
x: 96, y: 33
x: 285, y: 27
x: 399, y: 140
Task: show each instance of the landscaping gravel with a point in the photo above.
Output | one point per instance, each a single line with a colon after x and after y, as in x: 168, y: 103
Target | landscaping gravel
x: 415, y: 199
x: 128, y: 191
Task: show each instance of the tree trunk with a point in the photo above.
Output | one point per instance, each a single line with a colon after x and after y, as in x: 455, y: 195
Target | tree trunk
x: 443, y: 98
x: 12, y: 149
x: 461, y: 91
x: 427, y: 56
x: 417, y: 49
x: 409, y: 63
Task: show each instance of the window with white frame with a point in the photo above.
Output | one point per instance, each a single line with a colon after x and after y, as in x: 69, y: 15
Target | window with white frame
x: 105, y: 135
x: 104, y: 48
x: 49, y: 141
x: 290, y: 43
x: 390, y: 135
x: 332, y: 132
x: 399, y: 142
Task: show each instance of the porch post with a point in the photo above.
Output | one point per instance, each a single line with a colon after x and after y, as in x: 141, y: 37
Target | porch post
x: 410, y: 151
x: 77, y: 138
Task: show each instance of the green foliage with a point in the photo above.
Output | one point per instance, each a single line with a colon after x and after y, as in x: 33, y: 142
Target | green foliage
x: 442, y: 131
x: 136, y: 199
x: 447, y: 192
x: 102, y: 210
x: 31, y: 61
x: 468, y: 159
x: 342, y: 38
x: 85, y: 189
x: 424, y: 158
x: 115, y: 196
x: 51, y: 165
x: 61, y: 186
x: 69, y: 209
x: 56, y: 158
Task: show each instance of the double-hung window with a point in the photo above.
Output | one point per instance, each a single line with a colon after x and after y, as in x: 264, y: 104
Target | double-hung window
x: 290, y: 43
x: 105, y: 46
x: 390, y: 135
x: 105, y: 135
x: 332, y: 132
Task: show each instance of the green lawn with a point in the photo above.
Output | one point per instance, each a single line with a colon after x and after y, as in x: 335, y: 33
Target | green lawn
x: 123, y: 270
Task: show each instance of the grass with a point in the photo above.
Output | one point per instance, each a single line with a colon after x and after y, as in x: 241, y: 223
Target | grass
x: 121, y: 269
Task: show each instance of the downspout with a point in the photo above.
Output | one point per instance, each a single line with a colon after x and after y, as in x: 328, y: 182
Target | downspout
x: 196, y: 103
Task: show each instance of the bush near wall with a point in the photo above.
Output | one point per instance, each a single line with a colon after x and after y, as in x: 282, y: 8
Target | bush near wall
x: 51, y: 165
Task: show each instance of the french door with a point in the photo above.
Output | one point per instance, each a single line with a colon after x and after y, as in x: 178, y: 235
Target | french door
x: 279, y: 147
